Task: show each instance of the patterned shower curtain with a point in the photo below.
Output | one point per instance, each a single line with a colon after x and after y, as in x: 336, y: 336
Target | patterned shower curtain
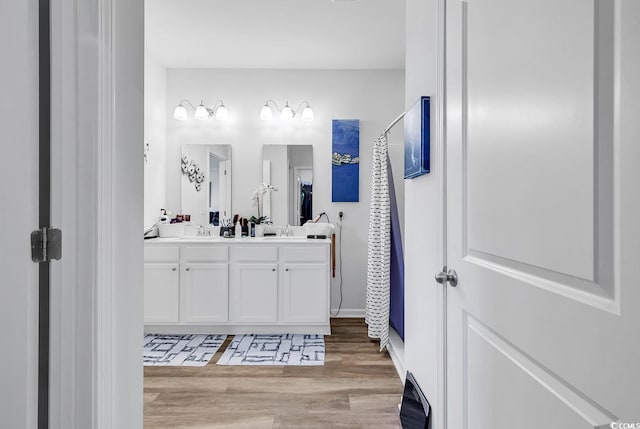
x: 378, y: 270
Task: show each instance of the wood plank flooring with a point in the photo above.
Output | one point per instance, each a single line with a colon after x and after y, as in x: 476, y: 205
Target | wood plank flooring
x: 357, y: 387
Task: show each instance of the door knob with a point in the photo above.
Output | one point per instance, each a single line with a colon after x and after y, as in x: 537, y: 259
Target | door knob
x: 450, y: 277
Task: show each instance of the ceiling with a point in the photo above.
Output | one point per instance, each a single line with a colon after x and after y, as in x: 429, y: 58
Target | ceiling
x: 276, y: 34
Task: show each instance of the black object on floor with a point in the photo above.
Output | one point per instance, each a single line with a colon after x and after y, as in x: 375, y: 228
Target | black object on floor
x: 415, y: 409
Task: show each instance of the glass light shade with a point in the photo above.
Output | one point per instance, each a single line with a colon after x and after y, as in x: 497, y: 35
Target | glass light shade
x: 180, y: 113
x: 201, y: 113
x: 266, y: 114
x: 222, y: 113
x: 307, y: 114
x: 287, y: 113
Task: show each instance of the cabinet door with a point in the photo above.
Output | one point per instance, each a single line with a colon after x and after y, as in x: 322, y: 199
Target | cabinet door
x: 255, y: 293
x: 161, y: 293
x: 204, y: 293
x: 306, y: 293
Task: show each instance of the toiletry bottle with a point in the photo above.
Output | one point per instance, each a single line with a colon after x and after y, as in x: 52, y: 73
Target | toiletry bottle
x: 238, y: 229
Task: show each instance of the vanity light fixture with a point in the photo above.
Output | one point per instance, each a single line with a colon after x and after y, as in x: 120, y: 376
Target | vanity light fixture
x: 202, y: 112
x: 286, y: 113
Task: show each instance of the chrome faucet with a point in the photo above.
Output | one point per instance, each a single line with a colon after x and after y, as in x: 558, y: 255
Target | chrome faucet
x: 285, y: 231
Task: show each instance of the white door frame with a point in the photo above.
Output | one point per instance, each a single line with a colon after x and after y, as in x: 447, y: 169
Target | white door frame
x: 97, y: 160
x: 425, y: 300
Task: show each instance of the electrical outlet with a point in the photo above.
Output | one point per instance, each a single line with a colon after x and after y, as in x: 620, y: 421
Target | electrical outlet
x: 340, y: 213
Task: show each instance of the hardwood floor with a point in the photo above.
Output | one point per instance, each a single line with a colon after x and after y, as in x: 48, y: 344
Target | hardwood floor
x: 357, y: 387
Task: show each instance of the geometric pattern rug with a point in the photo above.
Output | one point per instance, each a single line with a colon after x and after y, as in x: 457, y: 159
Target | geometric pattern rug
x: 285, y: 349
x: 180, y: 350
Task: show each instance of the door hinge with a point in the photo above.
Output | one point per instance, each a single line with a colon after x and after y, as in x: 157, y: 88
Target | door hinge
x: 46, y: 245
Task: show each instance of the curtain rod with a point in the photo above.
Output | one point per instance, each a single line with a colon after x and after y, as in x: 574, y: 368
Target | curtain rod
x: 395, y: 121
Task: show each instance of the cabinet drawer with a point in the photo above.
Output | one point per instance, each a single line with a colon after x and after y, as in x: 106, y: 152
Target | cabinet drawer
x: 254, y: 253
x: 205, y: 253
x: 305, y: 254
x: 161, y: 254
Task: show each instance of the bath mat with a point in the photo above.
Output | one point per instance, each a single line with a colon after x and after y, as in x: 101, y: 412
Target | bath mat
x: 180, y: 350
x: 285, y: 349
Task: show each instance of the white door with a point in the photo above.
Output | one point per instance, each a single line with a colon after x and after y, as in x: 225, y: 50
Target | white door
x: 204, y: 290
x: 225, y: 189
x: 542, y: 209
x: 19, y: 213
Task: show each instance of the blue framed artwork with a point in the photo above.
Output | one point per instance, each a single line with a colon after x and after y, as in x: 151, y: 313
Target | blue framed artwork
x: 416, y: 139
x: 345, y: 160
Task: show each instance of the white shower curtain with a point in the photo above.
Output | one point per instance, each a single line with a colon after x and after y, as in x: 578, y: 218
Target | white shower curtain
x: 378, y: 264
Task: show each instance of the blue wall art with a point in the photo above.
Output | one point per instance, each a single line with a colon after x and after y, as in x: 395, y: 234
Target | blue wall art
x: 416, y: 139
x: 345, y: 160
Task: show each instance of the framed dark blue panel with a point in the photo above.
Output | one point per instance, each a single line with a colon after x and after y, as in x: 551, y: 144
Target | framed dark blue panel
x: 416, y: 139
x: 345, y: 160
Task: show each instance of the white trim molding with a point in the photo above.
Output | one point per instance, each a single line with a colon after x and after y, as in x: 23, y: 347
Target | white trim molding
x: 348, y: 312
x: 105, y: 371
x: 396, y: 352
x: 97, y: 91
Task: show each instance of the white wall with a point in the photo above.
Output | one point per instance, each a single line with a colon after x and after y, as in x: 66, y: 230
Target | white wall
x: 374, y: 97
x: 155, y: 175
x: 423, y: 212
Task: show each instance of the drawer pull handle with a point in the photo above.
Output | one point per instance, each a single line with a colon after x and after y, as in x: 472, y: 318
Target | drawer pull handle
x: 173, y: 269
x: 286, y: 269
x: 187, y: 269
x: 273, y: 269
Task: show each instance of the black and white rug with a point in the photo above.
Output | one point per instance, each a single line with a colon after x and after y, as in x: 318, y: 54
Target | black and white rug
x: 286, y: 349
x: 180, y: 350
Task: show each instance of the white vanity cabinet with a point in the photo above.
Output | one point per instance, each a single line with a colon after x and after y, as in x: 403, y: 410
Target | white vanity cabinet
x: 255, y: 293
x: 305, y: 292
x: 204, y: 293
x: 232, y: 286
x: 161, y: 284
x: 254, y: 284
x: 204, y: 284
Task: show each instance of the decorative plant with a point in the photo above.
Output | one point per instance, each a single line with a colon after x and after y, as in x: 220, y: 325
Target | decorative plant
x: 256, y: 201
x: 259, y: 220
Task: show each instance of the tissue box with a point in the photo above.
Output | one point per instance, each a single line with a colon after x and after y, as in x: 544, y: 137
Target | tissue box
x: 171, y: 230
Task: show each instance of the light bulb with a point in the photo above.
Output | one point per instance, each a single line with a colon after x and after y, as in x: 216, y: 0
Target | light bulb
x: 266, y: 114
x: 180, y: 113
x: 222, y: 113
x: 307, y: 114
x: 287, y: 113
x: 201, y: 113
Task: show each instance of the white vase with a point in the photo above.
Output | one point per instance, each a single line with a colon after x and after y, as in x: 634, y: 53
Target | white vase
x: 259, y: 230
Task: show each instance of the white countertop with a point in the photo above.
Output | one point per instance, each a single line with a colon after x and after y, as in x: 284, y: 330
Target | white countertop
x: 245, y: 240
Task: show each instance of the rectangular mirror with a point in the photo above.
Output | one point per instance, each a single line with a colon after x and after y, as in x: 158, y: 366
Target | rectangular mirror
x: 206, y: 182
x: 290, y: 169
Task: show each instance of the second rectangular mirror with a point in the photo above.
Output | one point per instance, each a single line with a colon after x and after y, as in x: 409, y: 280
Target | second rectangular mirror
x: 290, y: 169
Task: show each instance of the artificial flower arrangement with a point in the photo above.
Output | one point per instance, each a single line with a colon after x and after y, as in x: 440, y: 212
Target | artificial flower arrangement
x: 256, y: 201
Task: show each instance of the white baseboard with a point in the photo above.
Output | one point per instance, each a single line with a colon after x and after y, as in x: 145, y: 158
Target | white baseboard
x: 396, y: 351
x: 348, y: 312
